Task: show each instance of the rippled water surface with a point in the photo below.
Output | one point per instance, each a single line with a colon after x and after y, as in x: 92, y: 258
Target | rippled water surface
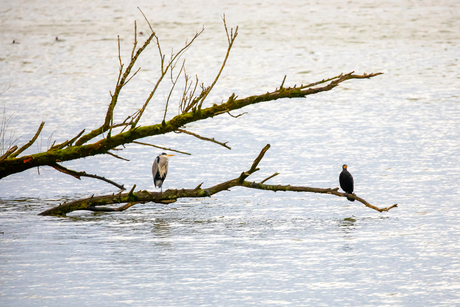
x: 398, y: 132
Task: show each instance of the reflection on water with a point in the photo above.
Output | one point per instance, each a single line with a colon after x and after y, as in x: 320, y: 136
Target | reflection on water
x: 399, y: 133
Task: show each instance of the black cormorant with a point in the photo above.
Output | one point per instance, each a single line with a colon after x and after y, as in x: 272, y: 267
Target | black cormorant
x: 346, y: 182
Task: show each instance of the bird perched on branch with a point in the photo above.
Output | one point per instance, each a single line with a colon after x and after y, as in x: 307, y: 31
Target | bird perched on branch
x: 346, y: 182
x: 160, y: 170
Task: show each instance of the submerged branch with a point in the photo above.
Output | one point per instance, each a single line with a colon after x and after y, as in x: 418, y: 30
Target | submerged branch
x: 170, y: 196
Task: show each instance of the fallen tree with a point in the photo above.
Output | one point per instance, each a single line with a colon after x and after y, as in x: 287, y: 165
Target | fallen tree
x: 113, y: 136
x: 169, y: 196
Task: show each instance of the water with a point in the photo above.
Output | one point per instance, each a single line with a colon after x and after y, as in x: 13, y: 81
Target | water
x: 399, y: 133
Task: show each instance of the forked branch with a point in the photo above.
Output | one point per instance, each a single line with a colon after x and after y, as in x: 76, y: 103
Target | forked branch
x: 165, y: 67
x: 28, y: 144
x: 16, y: 165
x: 189, y: 102
x: 8, y: 152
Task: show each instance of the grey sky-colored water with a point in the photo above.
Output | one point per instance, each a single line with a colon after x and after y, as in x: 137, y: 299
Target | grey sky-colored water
x: 399, y: 134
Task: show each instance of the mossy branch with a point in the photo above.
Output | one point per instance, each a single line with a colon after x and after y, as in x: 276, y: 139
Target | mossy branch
x: 169, y: 196
x: 12, y: 166
x: 191, y: 109
x: 8, y: 153
x: 28, y: 144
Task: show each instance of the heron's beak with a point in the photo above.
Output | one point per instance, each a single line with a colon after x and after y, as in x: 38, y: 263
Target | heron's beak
x: 170, y: 155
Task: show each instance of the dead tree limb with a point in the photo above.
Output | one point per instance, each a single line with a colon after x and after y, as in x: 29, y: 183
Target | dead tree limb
x: 16, y: 165
x: 116, y: 156
x: 78, y: 175
x: 190, y: 108
x: 169, y: 196
x: 123, y: 78
x: 165, y: 67
x: 8, y: 153
x: 164, y: 148
x: 67, y: 143
x: 204, y: 138
x: 28, y: 144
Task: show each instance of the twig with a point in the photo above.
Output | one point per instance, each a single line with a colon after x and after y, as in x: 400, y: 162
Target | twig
x: 118, y: 157
x: 66, y: 143
x: 174, y: 82
x: 258, y: 159
x: 164, y: 148
x: 236, y: 115
x: 282, y: 83
x: 164, y: 68
x: 123, y: 78
x: 77, y: 175
x: 231, y: 39
x: 6, y: 142
x: 187, y: 99
x: 8, y: 153
x: 270, y: 177
x: 204, y: 138
x: 28, y: 144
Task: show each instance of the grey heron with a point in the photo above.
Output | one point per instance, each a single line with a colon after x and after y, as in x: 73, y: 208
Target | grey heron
x: 160, y: 170
x: 346, y: 181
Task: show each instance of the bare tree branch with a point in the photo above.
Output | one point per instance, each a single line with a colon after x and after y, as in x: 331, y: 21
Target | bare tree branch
x: 164, y: 68
x: 170, y: 196
x: 123, y: 78
x: 282, y: 83
x: 270, y: 177
x: 118, y: 157
x: 231, y: 39
x: 164, y: 148
x: 12, y: 166
x: 77, y: 175
x: 28, y: 144
x: 196, y: 103
x: 7, y: 140
x: 8, y: 153
x: 174, y: 82
x: 204, y: 138
x: 236, y: 115
x: 67, y: 143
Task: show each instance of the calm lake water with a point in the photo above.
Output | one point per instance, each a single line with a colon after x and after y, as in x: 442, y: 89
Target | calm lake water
x: 399, y: 133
